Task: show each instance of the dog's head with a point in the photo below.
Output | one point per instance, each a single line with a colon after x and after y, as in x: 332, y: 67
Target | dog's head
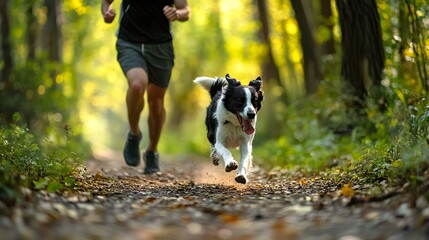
x: 244, y: 101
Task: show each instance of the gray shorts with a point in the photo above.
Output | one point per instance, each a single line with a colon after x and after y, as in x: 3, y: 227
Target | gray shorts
x: 156, y: 59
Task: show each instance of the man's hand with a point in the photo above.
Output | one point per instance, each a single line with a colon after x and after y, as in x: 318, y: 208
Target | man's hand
x: 170, y: 13
x: 109, y: 15
x: 108, y: 12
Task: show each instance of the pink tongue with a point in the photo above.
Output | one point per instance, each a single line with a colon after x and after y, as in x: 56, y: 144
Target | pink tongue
x: 247, y: 127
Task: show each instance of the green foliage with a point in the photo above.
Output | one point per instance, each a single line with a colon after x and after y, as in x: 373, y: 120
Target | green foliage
x: 405, y: 35
x: 403, y: 154
x: 303, y: 142
x: 25, y: 163
x: 373, y: 146
x: 44, y: 90
x: 386, y: 141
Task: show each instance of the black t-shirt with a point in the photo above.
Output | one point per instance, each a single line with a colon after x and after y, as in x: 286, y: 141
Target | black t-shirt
x: 143, y: 21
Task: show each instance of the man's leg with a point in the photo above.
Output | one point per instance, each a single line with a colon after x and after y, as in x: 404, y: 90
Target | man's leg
x: 160, y: 58
x: 137, y: 84
x: 156, y: 119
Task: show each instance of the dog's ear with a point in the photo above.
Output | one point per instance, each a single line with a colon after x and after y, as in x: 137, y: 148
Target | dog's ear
x: 232, y: 82
x: 256, y: 84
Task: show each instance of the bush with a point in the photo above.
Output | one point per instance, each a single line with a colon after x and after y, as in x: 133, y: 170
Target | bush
x: 26, y: 163
x: 401, y: 155
x: 377, y: 146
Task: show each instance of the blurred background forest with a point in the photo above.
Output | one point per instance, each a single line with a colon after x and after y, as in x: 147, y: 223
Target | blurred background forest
x: 346, y: 82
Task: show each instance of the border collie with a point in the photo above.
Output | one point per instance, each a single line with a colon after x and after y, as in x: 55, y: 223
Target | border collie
x: 231, y: 120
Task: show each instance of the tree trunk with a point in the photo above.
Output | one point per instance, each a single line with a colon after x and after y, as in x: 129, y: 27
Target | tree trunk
x: 52, y: 39
x: 310, y: 49
x: 270, y: 71
x: 362, y: 47
x: 6, y: 53
x: 328, y: 46
x: 31, y: 31
x: 7, y: 92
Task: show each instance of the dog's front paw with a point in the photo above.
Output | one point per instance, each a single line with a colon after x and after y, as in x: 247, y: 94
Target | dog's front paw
x: 241, y: 179
x: 231, y: 166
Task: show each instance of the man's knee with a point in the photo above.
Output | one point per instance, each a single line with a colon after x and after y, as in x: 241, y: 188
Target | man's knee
x: 137, y: 87
x: 137, y: 80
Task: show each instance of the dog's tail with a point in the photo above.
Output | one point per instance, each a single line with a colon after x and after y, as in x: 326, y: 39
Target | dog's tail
x: 213, y: 85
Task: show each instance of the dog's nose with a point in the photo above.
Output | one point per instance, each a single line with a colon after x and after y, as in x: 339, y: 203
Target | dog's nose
x: 251, y: 115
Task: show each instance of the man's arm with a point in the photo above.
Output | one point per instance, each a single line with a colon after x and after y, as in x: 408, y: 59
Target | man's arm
x: 107, y: 11
x: 180, y: 12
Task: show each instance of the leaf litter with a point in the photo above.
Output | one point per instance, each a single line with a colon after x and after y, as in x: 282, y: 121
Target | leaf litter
x: 192, y: 199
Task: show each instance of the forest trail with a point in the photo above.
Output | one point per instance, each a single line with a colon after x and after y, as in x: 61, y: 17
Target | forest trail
x: 193, y: 199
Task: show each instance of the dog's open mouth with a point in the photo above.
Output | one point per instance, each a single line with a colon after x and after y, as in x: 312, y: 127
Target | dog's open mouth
x: 246, y: 124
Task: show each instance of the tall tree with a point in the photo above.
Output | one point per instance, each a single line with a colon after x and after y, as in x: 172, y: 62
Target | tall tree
x: 7, y: 92
x: 52, y: 39
x: 31, y: 30
x: 6, y: 52
x: 328, y: 45
x: 362, y: 47
x: 311, y: 54
x: 270, y: 70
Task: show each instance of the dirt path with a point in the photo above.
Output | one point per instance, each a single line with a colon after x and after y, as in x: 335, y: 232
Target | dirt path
x: 192, y: 199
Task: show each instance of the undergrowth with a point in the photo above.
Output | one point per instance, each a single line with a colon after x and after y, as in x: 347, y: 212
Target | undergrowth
x: 27, y: 163
x: 373, y: 146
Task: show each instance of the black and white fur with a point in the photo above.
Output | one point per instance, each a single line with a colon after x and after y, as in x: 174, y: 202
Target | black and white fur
x: 231, y: 120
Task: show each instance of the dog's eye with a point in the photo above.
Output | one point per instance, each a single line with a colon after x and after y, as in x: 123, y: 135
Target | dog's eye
x: 240, y: 101
x: 254, y: 98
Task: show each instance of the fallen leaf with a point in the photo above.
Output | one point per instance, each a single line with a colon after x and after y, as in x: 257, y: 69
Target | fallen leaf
x: 347, y: 191
x: 230, y: 218
x: 279, y: 225
x: 151, y: 199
